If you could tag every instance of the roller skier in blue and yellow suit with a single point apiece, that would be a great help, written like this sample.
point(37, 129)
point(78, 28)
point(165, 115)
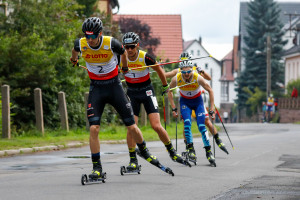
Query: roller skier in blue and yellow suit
point(101, 56)
point(191, 100)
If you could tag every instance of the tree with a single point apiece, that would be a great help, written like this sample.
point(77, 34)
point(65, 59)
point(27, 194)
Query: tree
point(143, 30)
point(263, 20)
point(35, 49)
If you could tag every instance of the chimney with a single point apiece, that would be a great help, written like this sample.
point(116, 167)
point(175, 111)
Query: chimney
point(200, 40)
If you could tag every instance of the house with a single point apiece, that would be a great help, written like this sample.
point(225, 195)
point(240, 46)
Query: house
point(286, 9)
point(170, 46)
point(210, 65)
point(108, 5)
point(292, 58)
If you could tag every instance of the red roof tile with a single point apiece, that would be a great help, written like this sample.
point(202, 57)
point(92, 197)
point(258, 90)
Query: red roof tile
point(166, 27)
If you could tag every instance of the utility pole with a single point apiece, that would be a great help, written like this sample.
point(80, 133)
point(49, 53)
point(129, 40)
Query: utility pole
point(268, 65)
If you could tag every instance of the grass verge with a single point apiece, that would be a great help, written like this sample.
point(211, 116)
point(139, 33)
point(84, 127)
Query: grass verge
point(111, 132)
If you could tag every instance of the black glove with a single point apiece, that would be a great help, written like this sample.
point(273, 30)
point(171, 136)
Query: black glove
point(124, 70)
point(74, 62)
point(211, 113)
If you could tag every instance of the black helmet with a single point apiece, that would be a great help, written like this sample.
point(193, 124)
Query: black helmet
point(130, 38)
point(93, 25)
point(185, 56)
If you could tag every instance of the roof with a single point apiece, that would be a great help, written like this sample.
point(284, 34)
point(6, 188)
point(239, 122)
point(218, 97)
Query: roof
point(227, 64)
point(167, 28)
point(291, 51)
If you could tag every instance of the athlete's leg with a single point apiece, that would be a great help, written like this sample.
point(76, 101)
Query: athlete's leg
point(154, 119)
point(95, 108)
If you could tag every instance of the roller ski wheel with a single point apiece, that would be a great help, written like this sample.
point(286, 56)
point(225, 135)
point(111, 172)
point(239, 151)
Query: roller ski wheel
point(188, 158)
point(126, 170)
point(152, 159)
point(85, 180)
point(169, 171)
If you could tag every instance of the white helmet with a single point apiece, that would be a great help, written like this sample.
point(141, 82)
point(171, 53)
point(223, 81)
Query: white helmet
point(185, 63)
point(185, 56)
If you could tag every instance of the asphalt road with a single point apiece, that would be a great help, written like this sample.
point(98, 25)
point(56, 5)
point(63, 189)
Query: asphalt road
point(265, 164)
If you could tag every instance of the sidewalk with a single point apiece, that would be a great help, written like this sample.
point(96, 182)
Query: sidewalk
point(22, 151)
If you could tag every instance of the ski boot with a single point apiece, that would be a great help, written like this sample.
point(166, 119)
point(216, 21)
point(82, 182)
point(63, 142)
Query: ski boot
point(96, 176)
point(143, 152)
point(177, 158)
point(190, 153)
point(210, 157)
point(220, 144)
point(133, 167)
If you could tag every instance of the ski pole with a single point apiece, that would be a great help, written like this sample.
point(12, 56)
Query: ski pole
point(213, 133)
point(182, 86)
point(165, 120)
point(166, 63)
point(224, 127)
point(176, 132)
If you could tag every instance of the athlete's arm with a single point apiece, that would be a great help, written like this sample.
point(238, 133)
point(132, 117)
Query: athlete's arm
point(149, 60)
point(171, 73)
point(75, 50)
point(206, 86)
point(203, 73)
point(118, 48)
point(170, 96)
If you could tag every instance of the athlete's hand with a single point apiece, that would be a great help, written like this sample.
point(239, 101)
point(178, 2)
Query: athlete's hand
point(165, 89)
point(124, 70)
point(174, 112)
point(199, 70)
point(212, 114)
point(74, 62)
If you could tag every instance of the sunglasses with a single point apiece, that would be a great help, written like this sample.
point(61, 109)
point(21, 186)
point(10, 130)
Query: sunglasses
point(132, 46)
point(91, 36)
point(186, 72)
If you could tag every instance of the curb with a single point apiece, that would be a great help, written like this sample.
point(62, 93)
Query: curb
point(22, 151)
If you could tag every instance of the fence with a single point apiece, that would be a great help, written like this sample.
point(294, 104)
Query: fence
point(62, 109)
point(289, 110)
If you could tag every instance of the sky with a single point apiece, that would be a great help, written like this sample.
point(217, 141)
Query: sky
point(215, 21)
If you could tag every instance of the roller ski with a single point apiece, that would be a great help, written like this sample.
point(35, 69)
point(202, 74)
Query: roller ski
point(133, 167)
point(220, 144)
point(95, 177)
point(153, 160)
point(210, 157)
point(190, 153)
point(177, 158)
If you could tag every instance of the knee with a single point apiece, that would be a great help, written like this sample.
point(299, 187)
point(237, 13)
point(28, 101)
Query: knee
point(94, 130)
point(132, 129)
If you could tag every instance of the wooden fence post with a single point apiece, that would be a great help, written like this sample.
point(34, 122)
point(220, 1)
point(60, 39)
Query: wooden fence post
point(5, 112)
point(62, 108)
point(86, 97)
point(143, 120)
point(38, 104)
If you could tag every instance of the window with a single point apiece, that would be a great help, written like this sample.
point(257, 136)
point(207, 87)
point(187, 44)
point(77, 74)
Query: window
point(192, 52)
point(225, 91)
point(198, 52)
